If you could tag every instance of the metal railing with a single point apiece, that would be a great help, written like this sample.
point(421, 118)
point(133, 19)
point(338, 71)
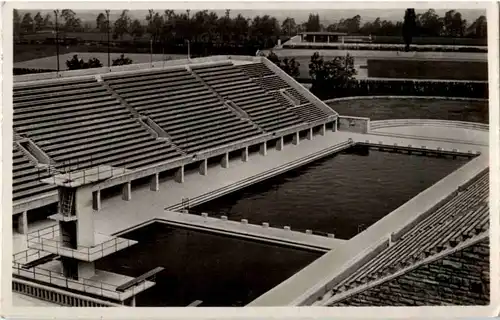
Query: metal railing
point(48, 240)
point(82, 285)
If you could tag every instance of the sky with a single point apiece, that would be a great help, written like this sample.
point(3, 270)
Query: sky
point(326, 16)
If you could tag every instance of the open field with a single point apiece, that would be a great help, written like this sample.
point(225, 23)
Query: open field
point(425, 69)
point(387, 108)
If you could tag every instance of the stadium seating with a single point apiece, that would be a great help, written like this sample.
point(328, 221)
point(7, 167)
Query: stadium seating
point(272, 83)
point(463, 217)
point(26, 177)
point(256, 70)
point(230, 83)
point(187, 110)
point(79, 124)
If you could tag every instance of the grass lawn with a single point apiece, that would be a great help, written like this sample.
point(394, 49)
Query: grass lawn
point(385, 108)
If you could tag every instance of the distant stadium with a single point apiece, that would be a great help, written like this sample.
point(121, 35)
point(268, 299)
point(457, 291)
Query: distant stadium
point(99, 154)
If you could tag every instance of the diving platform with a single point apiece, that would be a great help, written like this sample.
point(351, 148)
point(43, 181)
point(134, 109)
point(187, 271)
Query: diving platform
point(49, 240)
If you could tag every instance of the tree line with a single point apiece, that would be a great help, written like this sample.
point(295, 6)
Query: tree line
point(206, 26)
point(428, 24)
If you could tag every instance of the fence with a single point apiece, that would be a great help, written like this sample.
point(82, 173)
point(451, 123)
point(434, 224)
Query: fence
point(82, 285)
point(57, 296)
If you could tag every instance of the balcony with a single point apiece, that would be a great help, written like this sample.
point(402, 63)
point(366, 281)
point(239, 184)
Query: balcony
point(49, 240)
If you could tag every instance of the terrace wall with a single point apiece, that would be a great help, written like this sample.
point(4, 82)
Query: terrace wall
point(354, 124)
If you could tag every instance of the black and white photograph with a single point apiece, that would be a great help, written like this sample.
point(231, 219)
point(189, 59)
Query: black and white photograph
point(229, 156)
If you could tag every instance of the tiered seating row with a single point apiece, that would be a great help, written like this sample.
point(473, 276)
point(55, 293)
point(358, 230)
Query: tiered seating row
point(80, 124)
point(309, 112)
point(465, 216)
point(294, 93)
point(256, 70)
point(184, 107)
point(271, 83)
point(230, 83)
point(26, 177)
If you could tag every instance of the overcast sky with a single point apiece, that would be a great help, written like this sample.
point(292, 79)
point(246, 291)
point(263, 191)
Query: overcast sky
point(326, 16)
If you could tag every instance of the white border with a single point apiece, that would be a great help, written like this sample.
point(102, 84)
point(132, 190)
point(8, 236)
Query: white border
point(255, 313)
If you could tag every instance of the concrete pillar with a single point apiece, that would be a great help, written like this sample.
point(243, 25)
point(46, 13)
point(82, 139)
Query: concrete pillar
point(263, 148)
point(279, 144)
point(155, 182)
point(179, 175)
point(96, 200)
point(132, 302)
point(335, 124)
point(310, 134)
point(203, 167)
point(22, 223)
point(244, 154)
point(127, 191)
point(322, 130)
point(224, 162)
point(314, 39)
point(296, 138)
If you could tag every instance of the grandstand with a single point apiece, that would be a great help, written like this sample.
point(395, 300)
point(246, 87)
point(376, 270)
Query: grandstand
point(144, 120)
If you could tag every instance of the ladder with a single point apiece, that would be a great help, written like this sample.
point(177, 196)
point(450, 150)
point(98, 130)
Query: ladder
point(67, 203)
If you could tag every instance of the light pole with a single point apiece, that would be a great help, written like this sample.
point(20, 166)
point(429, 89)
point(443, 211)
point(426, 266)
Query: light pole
point(107, 16)
point(56, 12)
point(189, 49)
point(151, 52)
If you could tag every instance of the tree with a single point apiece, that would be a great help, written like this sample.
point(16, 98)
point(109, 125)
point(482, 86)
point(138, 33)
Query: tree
point(291, 67)
point(478, 28)
point(47, 21)
point(409, 27)
point(312, 24)
point(136, 29)
point(76, 64)
point(121, 26)
point(27, 23)
point(17, 23)
point(38, 20)
point(289, 27)
point(101, 22)
point(430, 24)
point(155, 24)
point(71, 22)
point(454, 25)
point(330, 75)
point(122, 61)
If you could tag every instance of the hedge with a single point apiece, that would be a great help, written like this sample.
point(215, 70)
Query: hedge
point(21, 71)
point(372, 87)
point(428, 69)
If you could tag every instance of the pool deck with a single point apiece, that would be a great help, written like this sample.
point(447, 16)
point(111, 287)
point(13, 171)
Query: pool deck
point(146, 206)
point(118, 216)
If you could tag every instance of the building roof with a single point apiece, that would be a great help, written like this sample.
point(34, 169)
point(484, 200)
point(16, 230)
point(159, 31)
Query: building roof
point(444, 233)
point(324, 33)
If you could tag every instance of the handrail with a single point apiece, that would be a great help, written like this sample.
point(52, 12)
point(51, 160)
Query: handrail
point(58, 279)
point(48, 238)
